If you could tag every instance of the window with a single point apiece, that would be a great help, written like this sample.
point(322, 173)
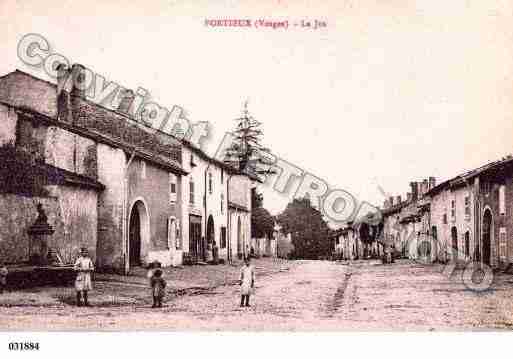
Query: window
point(502, 244)
point(172, 188)
point(210, 183)
point(444, 218)
point(193, 164)
point(222, 203)
point(453, 209)
point(222, 176)
point(191, 192)
point(486, 188)
point(467, 206)
point(502, 200)
point(223, 237)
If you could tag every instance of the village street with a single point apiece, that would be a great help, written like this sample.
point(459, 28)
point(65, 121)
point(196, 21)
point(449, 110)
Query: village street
point(300, 295)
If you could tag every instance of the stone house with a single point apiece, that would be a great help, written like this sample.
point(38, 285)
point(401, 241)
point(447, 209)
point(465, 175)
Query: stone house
point(472, 215)
point(239, 215)
point(206, 197)
point(128, 192)
point(406, 224)
point(346, 245)
point(126, 222)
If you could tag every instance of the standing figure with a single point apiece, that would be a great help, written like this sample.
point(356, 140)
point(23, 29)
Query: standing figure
point(247, 282)
point(83, 283)
point(158, 284)
point(3, 277)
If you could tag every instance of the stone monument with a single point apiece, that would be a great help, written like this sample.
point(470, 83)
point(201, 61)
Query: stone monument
point(39, 233)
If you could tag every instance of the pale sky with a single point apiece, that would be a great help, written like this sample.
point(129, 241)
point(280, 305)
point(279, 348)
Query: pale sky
point(389, 92)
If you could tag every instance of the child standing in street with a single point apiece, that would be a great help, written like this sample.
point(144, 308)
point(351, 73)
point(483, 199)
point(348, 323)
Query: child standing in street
point(158, 285)
point(83, 283)
point(247, 282)
point(3, 277)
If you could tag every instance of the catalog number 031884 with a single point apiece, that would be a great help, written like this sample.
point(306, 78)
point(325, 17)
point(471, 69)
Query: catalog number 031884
point(23, 346)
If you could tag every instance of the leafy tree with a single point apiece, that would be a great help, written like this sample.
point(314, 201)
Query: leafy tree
point(310, 233)
point(262, 222)
point(246, 152)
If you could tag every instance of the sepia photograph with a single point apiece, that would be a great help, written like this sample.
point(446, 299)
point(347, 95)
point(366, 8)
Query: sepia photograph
point(233, 167)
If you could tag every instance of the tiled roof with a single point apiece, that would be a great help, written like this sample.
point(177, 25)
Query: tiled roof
point(462, 178)
point(59, 176)
point(29, 93)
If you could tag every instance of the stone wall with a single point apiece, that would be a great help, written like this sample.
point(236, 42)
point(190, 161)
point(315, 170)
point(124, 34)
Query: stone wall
point(150, 185)
point(215, 207)
point(110, 207)
point(500, 222)
point(23, 90)
point(240, 191)
point(72, 215)
point(8, 123)
point(440, 205)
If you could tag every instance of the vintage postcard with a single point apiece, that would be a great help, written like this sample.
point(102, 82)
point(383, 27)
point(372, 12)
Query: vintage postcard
point(251, 166)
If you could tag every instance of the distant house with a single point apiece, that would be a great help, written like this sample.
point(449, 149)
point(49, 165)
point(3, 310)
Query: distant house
point(345, 243)
point(406, 226)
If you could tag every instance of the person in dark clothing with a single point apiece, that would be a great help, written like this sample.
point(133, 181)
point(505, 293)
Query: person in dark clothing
point(158, 285)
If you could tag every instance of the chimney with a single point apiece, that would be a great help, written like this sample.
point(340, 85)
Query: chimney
point(424, 186)
point(385, 204)
point(63, 73)
point(126, 99)
point(414, 190)
point(63, 89)
point(80, 82)
point(432, 182)
point(408, 197)
point(398, 199)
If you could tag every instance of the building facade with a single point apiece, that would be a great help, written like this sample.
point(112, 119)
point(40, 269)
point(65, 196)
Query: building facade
point(471, 215)
point(129, 193)
point(406, 223)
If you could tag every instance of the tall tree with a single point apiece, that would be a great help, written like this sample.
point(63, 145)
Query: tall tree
point(246, 153)
point(308, 228)
point(262, 222)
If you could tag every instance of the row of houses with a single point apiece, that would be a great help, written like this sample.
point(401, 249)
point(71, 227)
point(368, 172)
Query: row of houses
point(466, 218)
point(357, 240)
point(130, 194)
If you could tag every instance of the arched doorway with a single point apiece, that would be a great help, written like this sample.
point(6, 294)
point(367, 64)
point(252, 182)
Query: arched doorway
point(139, 232)
point(434, 239)
point(364, 238)
point(487, 236)
point(210, 233)
point(454, 243)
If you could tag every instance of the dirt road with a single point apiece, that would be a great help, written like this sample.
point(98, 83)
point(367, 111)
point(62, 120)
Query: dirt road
point(311, 295)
